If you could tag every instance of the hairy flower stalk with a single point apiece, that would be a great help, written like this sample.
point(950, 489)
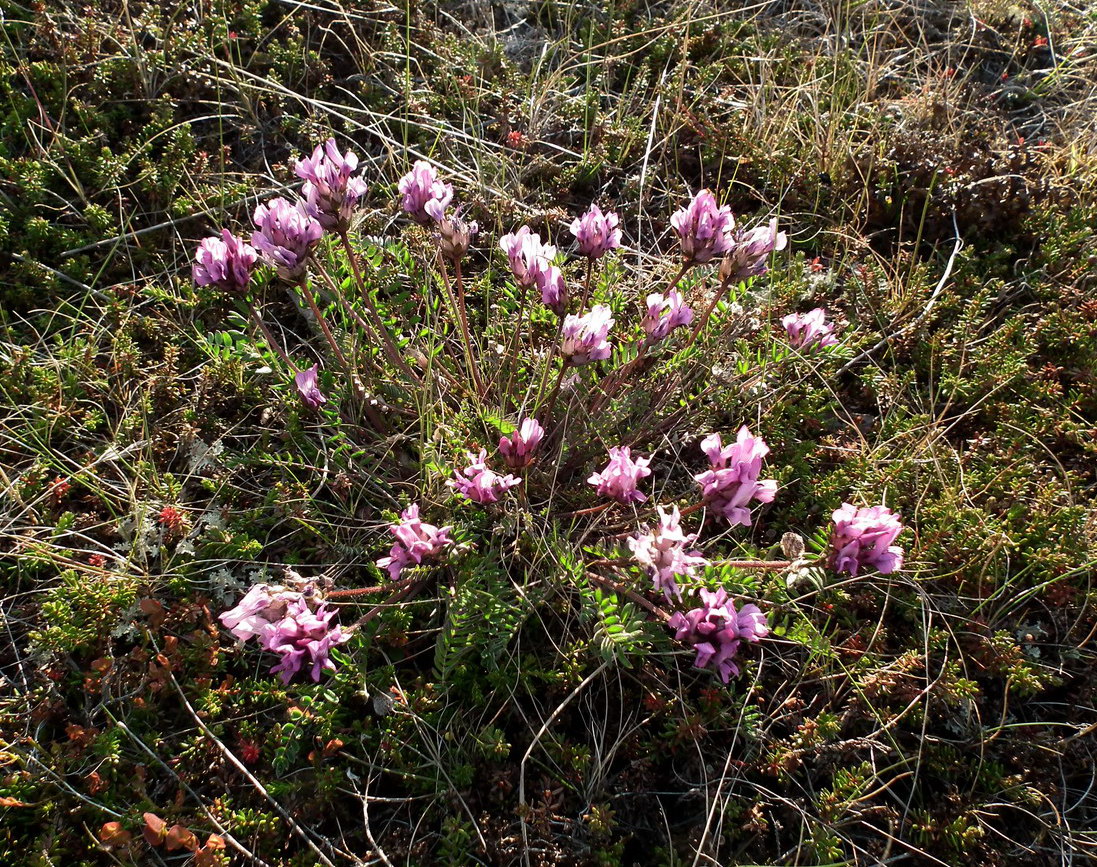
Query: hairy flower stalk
point(732, 480)
point(292, 623)
point(480, 483)
point(663, 552)
point(518, 449)
point(862, 540)
point(621, 475)
point(415, 542)
point(425, 197)
point(330, 193)
point(704, 228)
point(809, 332)
point(225, 262)
point(285, 235)
point(716, 629)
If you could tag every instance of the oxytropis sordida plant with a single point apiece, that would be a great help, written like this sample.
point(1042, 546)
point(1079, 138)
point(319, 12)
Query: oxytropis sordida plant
point(574, 351)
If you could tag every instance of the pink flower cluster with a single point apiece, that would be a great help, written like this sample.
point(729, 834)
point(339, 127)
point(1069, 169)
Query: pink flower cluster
point(596, 233)
point(862, 539)
point(621, 475)
point(415, 541)
point(665, 313)
point(809, 331)
point(225, 262)
point(330, 193)
point(664, 554)
point(716, 629)
point(732, 481)
point(425, 197)
point(704, 228)
point(291, 623)
point(531, 263)
point(285, 234)
point(517, 449)
point(480, 483)
point(750, 251)
point(586, 338)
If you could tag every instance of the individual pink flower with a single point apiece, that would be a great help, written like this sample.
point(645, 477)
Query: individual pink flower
point(308, 386)
point(330, 192)
point(517, 449)
point(480, 483)
point(663, 552)
point(285, 235)
point(415, 542)
point(716, 629)
point(809, 331)
point(621, 475)
point(665, 313)
point(596, 233)
point(732, 481)
point(225, 262)
point(704, 228)
point(585, 337)
point(425, 197)
point(749, 252)
point(862, 539)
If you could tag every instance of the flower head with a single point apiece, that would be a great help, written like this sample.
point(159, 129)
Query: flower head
point(531, 263)
point(292, 623)
point(596, 233)
point(862, 539)
point(663, 552)
point(732, 480)
point(425, 197)
point(415, 541)
point(716, 629)
point(480, 483)
point(621, 475)
point(749, 252)
point(225, 262)
point(455, 236)
point(330, 192)
point(665, 313)
point(704, 228)
point(809, 332)
point(517, 449)
point(285, 235)
point(308, 386)
point(585, 337)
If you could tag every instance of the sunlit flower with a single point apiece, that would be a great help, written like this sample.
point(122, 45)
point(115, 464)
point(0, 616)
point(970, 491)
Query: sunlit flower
point(665, 313)
point(862, 539)
point(704, 228)
point(425, 197)
point(308, 386)
point(531, 264)
point(749, 252)
point(285, 235)
point(225, 262)
point(596, 233)
point(809, 331)
point(455, 236)
point(716, 629)
point(621, 475)
point(585, 338)
point(415, 542)
point(479, 482)
point(517, 449)
point(663, 552)
point(330, 192)
point(732, 481)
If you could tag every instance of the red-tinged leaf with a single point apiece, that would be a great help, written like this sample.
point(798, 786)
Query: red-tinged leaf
point(215, 841)
point(179, 837)
point(12, 802)
point(113, 834)
point(155, 829)
point(205, 857)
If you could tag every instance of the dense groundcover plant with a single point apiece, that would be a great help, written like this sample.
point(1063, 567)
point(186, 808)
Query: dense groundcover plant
point(588, 343)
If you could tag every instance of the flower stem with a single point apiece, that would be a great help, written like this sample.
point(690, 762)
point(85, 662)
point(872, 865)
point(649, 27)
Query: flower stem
point(624, 590)
point(274, 344)
point(303, 283)
point(473, 369)
point(708, 312)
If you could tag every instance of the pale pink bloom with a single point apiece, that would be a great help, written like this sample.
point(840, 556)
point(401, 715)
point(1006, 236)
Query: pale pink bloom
point(425, 197)
point(749, 252)
point(663, 552)
point(531, 264)
point(285, 235)
point(809, 331)
point(665, 313)
point(716, 629)
point(621, 475)
point(585, 337)
point(704, 228)
point(517, 449)
point(732, 481)
point(596, 233)
point(479, 482)
point(308, 386)
point(415, 541)
point(225, 262)
point(862, 539)
point(329, 191)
